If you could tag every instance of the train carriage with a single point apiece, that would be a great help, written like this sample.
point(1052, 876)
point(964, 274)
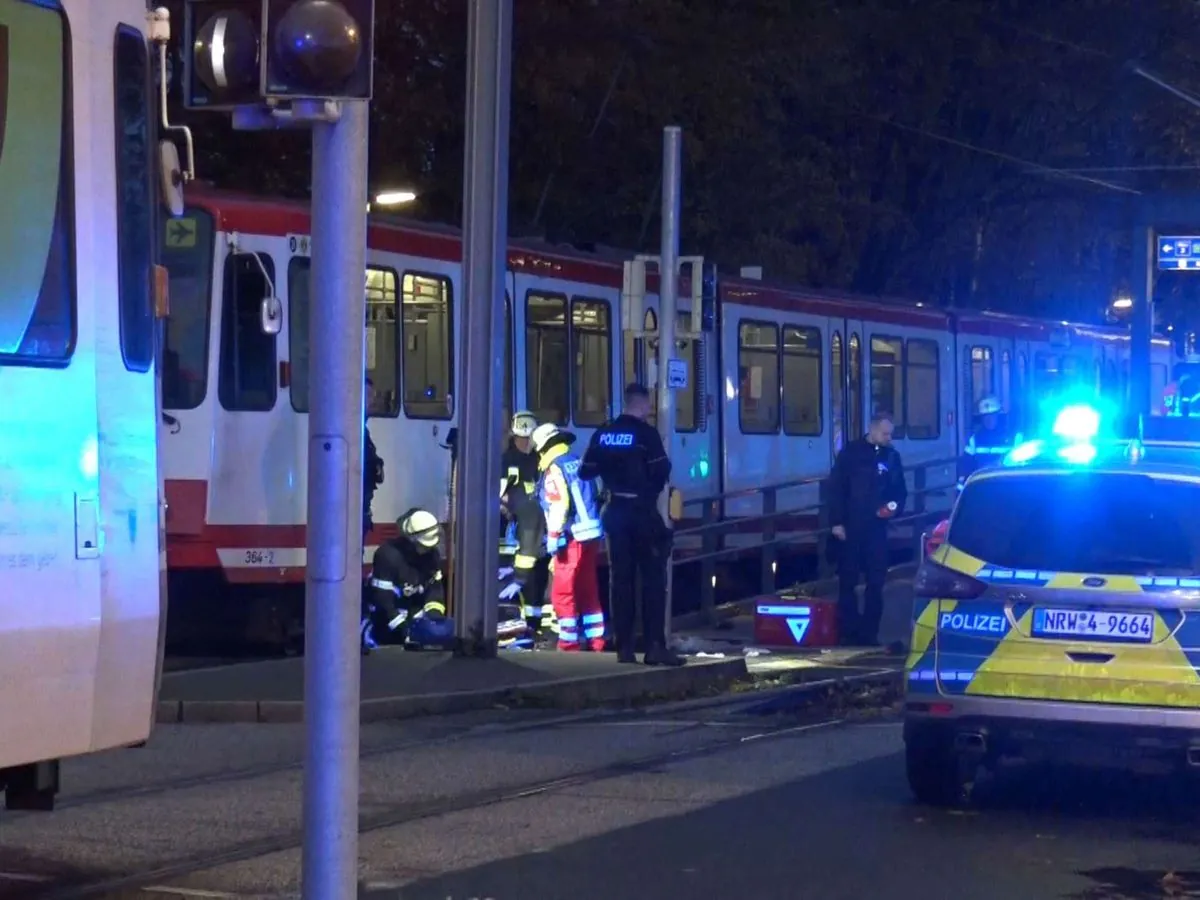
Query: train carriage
point(80, 532)
point(778, 378)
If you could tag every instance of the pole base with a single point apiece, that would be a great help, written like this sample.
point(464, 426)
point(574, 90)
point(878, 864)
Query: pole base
point(475, 648)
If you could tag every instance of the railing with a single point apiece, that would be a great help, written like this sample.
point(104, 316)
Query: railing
point(716, 525)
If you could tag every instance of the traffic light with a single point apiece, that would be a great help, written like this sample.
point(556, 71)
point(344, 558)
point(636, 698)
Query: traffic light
point(241, 53)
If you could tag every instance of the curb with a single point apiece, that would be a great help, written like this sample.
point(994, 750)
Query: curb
point(567, 694)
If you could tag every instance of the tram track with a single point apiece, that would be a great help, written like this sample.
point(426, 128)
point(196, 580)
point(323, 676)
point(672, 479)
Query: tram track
point(408, 813)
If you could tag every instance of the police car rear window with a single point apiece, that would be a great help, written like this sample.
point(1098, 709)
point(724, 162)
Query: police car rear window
point(1109, 523)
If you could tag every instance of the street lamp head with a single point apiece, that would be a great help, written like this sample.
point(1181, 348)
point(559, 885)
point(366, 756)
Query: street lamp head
point(394, 198)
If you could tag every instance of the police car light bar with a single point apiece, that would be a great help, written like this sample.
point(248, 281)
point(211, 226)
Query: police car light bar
point(1077, 423)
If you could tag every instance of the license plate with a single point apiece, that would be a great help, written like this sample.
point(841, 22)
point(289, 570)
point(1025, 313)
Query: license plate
point(1093, 625)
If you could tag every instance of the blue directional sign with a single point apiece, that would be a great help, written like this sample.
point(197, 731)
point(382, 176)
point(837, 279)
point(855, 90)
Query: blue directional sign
point(1179, 253)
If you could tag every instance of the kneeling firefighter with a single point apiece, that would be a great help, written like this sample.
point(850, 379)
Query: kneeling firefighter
point(524, 581)
point(405, 600)
point(573, 536)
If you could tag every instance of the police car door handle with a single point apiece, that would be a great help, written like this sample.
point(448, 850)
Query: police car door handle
point(1099, 658)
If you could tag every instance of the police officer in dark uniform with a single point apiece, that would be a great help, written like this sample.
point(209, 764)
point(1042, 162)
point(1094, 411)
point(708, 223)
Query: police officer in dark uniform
point(628, 455)
point(866, 490)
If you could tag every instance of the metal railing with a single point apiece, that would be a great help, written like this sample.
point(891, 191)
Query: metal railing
point(716, 525)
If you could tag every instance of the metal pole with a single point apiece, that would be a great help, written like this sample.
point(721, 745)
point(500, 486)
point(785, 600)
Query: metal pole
point(1141, 326)
point(485, 251)
point(668, 291)
point(332, 659)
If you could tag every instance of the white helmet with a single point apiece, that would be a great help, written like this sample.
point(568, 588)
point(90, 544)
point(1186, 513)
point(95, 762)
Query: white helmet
point(523, 424)
point(545, 434)
point(422, 526)
point(989, 406)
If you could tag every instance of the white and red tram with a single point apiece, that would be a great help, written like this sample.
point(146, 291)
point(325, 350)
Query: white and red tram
point(779, 375)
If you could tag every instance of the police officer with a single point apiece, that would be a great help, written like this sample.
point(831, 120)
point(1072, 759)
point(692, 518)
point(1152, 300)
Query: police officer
point(524, 526)
point(990, 441)
point(628, 455)
point(405, 598)
point(866, 490)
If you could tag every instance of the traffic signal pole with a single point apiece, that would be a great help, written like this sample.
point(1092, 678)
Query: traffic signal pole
point(332, 659)
point(668, 304)
point(485, 244)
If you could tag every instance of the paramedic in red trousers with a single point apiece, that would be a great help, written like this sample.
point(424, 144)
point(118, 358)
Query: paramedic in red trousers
point(866, 490)
point(628, 455)
point(573, 536)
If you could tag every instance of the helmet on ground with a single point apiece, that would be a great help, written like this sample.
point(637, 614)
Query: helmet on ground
point(421, 526)
point(989, 406)
point(523, 424)
point(547, 435)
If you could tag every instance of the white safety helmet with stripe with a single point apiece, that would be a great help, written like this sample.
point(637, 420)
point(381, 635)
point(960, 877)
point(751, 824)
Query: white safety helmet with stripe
point(989, 406)
point(422, 526)
point(545, 435)
point(524, 423)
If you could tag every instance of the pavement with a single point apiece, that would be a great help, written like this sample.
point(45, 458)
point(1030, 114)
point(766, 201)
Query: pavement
point(704, 799)
point(399, 684)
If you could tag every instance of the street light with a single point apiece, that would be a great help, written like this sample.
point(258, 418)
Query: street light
point(394, 198)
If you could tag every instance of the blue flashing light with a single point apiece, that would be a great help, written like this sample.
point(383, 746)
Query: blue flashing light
point(1023, 453)
point(1080, 454)
point(1078, 423)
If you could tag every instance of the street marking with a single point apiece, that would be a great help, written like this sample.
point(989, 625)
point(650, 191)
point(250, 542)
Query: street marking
point(189, 892)
point(796, 730)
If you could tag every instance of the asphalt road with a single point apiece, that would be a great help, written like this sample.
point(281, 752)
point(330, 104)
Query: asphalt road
point(674, 802)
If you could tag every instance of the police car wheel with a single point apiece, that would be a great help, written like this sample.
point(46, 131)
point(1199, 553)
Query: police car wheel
point(934, 773)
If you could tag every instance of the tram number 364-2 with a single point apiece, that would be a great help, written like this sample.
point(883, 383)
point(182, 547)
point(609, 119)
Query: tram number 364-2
point(260, 557)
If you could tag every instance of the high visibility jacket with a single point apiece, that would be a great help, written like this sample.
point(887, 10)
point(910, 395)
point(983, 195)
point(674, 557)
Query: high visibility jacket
point(569, 502)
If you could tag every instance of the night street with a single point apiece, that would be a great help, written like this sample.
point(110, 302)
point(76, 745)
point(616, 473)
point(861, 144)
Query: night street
point(703, 803)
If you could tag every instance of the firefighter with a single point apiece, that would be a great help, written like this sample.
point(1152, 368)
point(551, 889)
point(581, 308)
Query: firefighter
point(990, 441)
point(405, 600)
point(524, 528)
point(628, 455)
point(573, 535)
point(866, 490)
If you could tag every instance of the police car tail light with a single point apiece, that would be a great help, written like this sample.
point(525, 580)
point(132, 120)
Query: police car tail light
point(937, 582)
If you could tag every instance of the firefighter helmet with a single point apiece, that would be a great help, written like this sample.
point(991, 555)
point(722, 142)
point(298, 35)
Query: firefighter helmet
point(523, 424)
point(422, 526)
point(989, 406)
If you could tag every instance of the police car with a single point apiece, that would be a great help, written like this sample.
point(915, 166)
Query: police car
point(1059, 619)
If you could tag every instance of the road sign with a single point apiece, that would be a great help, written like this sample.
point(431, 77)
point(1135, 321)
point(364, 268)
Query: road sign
point(677, 374)
point(1181, 252)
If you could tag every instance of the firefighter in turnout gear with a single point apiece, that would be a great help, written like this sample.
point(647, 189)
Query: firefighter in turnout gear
point(991, 440)
point(404, 601)
point(573, 536)
point(628, 455)
point(524, 538)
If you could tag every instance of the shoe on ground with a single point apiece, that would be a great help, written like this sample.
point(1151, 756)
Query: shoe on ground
point(661, 656)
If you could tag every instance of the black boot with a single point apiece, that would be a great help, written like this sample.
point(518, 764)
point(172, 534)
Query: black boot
point(661, 656)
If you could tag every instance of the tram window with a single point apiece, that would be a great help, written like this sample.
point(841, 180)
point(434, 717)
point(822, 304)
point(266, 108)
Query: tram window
point(887, 379)
point(983, 375)
point(1006, 380)
point(247, 380)
point(1046, 372)
point(923, 412)
point(383, 341)
point(758, 377)
point(591, 346)
point(427, 329)
point(135, 209)
point(801, 381)
point(186, 250)
point(837, 376)
point(689, 409)
point(507, 399)
point(547, 374)
point(37, 276)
